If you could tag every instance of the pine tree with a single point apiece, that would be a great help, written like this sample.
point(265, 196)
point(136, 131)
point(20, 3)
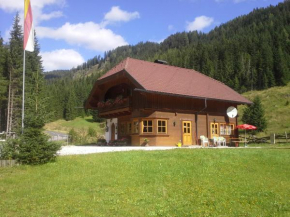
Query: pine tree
point(36, 101)
point(3, 86)
point(70, 106)
point(255, 115)
point(3, 80)
point(281, 69)
point(15, 77)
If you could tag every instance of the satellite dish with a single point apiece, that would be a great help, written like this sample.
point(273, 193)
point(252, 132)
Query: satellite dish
point(232, 112)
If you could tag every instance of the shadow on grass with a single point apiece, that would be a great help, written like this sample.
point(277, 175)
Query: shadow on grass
point(90, 120)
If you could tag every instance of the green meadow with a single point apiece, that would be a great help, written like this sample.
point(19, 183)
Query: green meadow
point(276, 103)
point(180, 182)
point(79, 124)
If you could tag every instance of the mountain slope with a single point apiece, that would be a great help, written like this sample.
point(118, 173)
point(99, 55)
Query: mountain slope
point(276, 103)
point(249, 52)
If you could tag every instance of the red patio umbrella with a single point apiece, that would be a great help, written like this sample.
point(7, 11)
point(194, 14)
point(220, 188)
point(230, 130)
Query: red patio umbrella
point(246, 127)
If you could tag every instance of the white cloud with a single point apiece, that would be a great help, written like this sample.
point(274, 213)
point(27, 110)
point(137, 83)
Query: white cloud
point(118, 15)
point(12, 6)
point(199, 23)
point(61, 59)
point(54, 14)
point(90, 35)
point(17, 5)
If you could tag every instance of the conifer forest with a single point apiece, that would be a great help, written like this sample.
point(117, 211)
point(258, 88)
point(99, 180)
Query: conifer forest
point(251, 52)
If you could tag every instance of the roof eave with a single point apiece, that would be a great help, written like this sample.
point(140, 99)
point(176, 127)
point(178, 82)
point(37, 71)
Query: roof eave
point(194, 97)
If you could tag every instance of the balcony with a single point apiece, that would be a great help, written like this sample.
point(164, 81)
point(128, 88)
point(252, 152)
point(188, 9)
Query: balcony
point(115, 107)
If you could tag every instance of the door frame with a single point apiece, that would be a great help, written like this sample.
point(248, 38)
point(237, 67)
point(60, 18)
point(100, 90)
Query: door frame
point(182, 131)
point(217, 127)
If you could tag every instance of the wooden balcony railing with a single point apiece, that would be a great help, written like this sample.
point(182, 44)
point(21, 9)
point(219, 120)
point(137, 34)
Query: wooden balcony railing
point(116, 104)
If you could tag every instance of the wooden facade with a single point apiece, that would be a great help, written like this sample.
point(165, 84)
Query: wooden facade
point(162, 118)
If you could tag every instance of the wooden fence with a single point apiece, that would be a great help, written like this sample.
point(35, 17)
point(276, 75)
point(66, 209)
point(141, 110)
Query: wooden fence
point(8, 163)
point(279, 138)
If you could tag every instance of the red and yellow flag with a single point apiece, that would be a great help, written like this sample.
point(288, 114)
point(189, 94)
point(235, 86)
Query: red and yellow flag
point(28, 27)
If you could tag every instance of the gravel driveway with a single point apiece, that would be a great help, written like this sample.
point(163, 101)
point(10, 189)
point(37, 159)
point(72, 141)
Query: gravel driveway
point(74, 150)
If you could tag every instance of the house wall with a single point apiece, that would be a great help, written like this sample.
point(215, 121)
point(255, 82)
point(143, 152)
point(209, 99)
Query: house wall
point(222, 119)
point(175, 110)
point(174, 126)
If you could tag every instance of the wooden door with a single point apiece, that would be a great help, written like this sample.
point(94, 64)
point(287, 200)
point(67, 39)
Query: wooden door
point(214, 130)
point(186, 132)
point(113, 132)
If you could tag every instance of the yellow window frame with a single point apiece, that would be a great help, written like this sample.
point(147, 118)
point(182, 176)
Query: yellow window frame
point(161, 126)
point(135, 127)
point(147, 125)
point(226, 130)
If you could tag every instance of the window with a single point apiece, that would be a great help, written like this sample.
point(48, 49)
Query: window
point(214, 129)
point(129, 127)
point(227, 129)
point(147, 126)
point(135, 127)
point(223, 129)
point(162, 126)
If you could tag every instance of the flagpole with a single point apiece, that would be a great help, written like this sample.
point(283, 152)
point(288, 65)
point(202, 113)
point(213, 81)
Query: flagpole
point(23, 77)
point(23, 92)
point(28, 45)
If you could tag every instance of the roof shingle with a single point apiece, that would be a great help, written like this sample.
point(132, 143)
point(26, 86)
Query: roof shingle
point(174, 80)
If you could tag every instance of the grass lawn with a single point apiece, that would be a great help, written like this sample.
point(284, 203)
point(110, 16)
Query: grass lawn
point(180, 182)
point(79, 124)
point(276, 102)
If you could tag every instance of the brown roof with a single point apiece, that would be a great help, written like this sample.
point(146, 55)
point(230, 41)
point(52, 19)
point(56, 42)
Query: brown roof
point(174, 80)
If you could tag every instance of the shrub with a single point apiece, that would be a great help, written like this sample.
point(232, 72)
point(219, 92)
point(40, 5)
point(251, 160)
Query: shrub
point(34, 147)
point(254, 114)
point(96, 118)
point(8, 149)
point(92, 132)
point(73, 136)
point(101, 142)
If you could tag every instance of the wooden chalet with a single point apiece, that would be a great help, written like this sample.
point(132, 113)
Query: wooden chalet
point(162, 103)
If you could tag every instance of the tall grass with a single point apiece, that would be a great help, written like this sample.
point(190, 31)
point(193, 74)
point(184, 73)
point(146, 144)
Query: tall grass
point(275, 101)
point(232, 182)
point(78, 124)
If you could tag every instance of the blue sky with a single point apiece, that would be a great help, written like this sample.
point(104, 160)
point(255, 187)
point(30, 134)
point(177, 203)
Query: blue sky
point(71, 31)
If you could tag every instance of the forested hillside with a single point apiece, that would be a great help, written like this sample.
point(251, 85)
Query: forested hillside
point(251, 52)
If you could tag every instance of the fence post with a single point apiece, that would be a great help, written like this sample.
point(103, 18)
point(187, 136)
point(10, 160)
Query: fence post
point(286, 137)
point(272, 138)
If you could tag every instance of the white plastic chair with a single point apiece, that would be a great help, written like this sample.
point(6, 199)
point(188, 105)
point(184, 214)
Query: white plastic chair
point(216, 141)
point(222, 141)
point(204, 140)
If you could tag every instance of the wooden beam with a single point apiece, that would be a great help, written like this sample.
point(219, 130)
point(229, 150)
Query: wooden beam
point(115, 111)
point(207, 125)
